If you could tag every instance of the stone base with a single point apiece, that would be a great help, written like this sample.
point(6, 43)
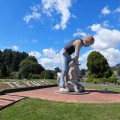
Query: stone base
point(74, 93)
point(75, 86)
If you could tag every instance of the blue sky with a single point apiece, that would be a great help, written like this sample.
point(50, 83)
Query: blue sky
point(42, 27)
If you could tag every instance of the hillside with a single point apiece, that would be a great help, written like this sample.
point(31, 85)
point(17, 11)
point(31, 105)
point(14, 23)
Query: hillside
point(116, 67)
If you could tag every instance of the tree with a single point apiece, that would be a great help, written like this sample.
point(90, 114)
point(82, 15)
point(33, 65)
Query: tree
point(98, 66)
point(47, 74)
point(4, 71)
point(16, 59)
point(57, 69)
point(12, 59)
point(32, 59)
point(7, 57)
point(82, 71)
point(29, 65)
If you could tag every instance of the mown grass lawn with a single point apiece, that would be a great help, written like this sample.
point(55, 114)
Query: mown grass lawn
point(109, 88)
point(37, 109)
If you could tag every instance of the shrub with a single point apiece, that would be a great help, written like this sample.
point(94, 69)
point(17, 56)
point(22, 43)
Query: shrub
point(89, 79)
point(104, 80)
point(35, 76)
point(97, 80)
point(118, 82)
point(112, 79)
point(14, 75)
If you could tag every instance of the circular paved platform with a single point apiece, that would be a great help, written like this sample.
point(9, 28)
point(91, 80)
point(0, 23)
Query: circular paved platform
point(51, 94)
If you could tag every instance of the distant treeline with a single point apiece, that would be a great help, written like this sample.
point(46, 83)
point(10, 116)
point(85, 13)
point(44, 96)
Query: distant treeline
point(19, 65)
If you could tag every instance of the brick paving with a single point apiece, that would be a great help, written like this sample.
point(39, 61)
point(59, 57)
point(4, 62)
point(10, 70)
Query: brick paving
point(7, 100)
point(52, 94)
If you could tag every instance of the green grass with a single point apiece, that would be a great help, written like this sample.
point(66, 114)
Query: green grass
point(4, 86)
point(37, 109)
point(54, 81)
point(109, 88)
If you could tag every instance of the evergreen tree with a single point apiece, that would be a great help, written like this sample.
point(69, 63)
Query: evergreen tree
point(4, 71)
point(98, 66)
point(7, 57)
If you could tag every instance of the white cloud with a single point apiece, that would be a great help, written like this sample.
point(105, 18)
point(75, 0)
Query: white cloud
point(117, 14)
point(50, 63)
point(31, 26)
point(34, 41)
point(35, 15)
point(79, 33)
point(51, 59)
point(83, 59)
point(35, 7)
point(95, 27)
point(118, 10)
point(49, 52)
point(105, 38)
point(106, 24)
point(74, 16)
point(59, 6)
point(35, 53)
point(112, 55)
point(50, 8)
point(15, 48)
point(105, 11)
point(47, 63)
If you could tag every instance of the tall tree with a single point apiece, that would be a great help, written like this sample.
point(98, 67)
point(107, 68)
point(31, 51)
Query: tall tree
point(4, 71)
point(98, 66)
point(30, 65)
point(7, 57)
point(17, 58)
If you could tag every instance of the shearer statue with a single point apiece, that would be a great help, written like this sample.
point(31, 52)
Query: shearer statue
point(65, 55)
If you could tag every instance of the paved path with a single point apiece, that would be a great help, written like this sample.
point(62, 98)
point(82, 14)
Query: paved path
point(51, 94)
point(7, 100)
